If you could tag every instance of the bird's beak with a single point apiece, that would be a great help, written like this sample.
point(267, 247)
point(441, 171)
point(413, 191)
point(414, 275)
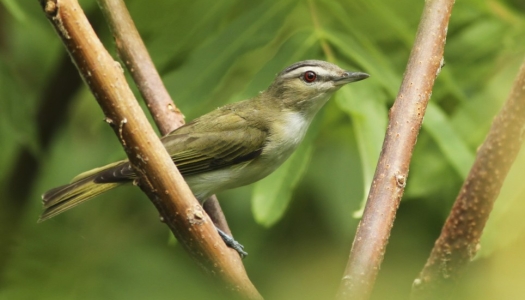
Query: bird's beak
point(348, 77)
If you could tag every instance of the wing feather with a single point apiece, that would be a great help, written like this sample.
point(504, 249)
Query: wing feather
point(214, 141)
point(202, 146)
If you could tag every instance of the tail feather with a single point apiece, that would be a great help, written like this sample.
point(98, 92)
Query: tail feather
point(84, 187)
point(97, 171)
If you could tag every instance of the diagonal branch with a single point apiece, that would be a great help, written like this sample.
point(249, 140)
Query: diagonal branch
point(391, 174)
point(458, 242)
point(158, 176)
point(137, 60)
point(135, 56)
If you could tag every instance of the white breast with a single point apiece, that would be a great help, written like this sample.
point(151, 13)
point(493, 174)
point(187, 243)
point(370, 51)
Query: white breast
point(284, 139)
point(295, 126)
point(286, 136)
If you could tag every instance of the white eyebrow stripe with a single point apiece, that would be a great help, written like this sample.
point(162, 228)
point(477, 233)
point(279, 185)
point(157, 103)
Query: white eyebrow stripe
point(299, 71)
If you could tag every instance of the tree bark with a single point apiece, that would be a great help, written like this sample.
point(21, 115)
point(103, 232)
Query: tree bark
point(133, 53)
point(390, 178)
point(158, 176)
point(459, 239)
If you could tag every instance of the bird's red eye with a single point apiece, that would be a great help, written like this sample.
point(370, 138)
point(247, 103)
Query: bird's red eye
point(309, 76)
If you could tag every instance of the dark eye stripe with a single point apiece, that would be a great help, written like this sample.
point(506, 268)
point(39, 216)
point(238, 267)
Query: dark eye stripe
point(297, 66)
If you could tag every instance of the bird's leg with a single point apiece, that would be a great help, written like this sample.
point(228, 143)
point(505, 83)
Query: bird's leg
point(230, 242)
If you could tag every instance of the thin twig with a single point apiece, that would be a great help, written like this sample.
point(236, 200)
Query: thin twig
point(135, 56)
point(158, 176)
point(137, 60)
point(391, 174)
point(459, 239)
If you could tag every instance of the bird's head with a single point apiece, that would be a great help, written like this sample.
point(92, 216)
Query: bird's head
point(307, 85)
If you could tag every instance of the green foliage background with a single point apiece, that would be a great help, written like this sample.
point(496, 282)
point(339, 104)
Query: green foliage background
point(299, 226)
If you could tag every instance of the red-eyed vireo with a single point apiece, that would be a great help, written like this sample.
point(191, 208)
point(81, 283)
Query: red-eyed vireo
point(232, 146)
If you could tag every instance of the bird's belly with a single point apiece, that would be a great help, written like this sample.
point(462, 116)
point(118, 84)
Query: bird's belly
point(282, 144)
point(206, 184)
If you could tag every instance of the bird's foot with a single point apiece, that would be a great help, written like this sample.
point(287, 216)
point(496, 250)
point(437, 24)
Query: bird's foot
point(230, 242)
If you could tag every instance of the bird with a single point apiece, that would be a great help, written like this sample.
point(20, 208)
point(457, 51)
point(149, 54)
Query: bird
point(232, 146)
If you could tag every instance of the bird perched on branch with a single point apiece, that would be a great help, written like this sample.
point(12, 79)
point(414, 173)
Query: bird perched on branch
point(232, 146)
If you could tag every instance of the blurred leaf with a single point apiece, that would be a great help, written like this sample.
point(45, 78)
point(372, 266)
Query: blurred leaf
point(171, 37)
point(13, 113)
point(369, 119)
point(472, 118)
point(299, 45)
point(366, 56)
point(334, 180)
point(271, 196)
point(8, 134)
point(15, 10)
point(431, 176)
point(257, 68)
point(478, 37)
point(396, 22)
point(456, 151)
point(206, 66)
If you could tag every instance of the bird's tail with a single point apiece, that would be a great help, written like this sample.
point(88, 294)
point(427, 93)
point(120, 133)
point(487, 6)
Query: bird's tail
point(84, 187)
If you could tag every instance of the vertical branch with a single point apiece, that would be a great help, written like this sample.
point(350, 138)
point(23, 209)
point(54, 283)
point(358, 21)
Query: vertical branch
point(391, 174)
point(458, 242)
point(137, 60)
point(158, 176)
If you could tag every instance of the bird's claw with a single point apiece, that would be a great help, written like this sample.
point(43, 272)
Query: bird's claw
point(232, 243)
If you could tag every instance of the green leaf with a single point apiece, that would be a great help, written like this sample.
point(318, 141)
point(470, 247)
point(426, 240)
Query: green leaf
point(204, 70)
point(450, 143)
point(369, 119)
point(298, 46)
point(272, 195)
point(368, 57)
point(431, 176)
point(15, 10)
